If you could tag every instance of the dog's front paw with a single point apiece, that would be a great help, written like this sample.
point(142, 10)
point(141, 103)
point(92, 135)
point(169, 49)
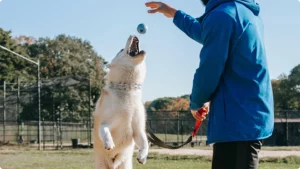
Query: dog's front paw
point(142, 156)
point(109, 145)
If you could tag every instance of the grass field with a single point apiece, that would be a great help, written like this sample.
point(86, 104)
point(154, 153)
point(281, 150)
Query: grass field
point(202, 139)
point(83, 159)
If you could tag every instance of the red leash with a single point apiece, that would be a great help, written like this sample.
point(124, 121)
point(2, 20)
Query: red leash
point(156, 141)
point(198, 122)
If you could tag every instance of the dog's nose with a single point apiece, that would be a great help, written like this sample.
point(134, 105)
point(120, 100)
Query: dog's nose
point(132, 53)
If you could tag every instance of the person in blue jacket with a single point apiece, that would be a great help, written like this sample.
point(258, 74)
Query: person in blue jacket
point(232, 75)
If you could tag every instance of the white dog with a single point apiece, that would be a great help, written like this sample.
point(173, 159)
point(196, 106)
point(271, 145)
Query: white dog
point(120, 117)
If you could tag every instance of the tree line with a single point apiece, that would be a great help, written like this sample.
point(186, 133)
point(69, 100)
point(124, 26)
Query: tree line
point(63, 60)
point(66, 59)
point(286, 92)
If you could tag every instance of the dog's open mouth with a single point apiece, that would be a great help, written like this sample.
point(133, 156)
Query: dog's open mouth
point(134, 47)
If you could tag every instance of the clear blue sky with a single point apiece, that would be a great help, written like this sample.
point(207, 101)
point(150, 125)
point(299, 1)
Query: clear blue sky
point(172, 57)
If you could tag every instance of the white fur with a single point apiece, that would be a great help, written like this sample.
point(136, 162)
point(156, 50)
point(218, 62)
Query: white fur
point(120, 115)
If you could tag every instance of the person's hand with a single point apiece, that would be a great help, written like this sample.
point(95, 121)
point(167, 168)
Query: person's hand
point(160, 7)
point(202, 116)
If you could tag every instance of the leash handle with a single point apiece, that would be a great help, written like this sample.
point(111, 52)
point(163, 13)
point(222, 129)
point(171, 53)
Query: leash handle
point(198, 122)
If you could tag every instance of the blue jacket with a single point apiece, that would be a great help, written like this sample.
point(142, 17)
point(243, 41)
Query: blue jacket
point(233, 72)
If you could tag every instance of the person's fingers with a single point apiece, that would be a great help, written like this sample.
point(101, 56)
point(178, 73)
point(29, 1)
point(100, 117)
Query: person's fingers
point(200, 118)
point(154, 7)
point(153, 4)
point(197, 116)
point(154, 10)
point(206, 108)
point(204, 111)
point(194, 114)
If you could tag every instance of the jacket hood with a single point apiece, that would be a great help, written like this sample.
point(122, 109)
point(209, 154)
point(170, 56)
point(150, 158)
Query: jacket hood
point(250, 4)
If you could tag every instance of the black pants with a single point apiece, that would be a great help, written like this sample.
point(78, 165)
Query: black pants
point(236, 155)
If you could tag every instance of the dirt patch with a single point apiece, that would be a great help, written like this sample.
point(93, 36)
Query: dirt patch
point(199, 152)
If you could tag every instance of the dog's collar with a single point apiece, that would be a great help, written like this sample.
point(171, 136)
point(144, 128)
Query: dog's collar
point(124, 86)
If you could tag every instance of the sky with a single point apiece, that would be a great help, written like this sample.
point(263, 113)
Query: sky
point(172, 57)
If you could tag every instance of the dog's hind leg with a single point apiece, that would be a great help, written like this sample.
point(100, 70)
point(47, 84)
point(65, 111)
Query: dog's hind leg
point(106, 138)
point(124, 159)
point(140, 138)
point(100, 161)
point(126, 164)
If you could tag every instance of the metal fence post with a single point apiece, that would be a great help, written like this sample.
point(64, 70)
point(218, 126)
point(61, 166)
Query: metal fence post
point(39, 104)
point(58, 133)
point(90, 117)
point(18, 111)
point(287, 129)
point(4, 110)
point(165, 130)
point(178, 127)
point(53, 118)
point(60, 130)
point(44, 143)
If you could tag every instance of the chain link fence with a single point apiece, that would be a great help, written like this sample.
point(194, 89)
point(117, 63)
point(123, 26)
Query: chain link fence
point(65, 113)
point(66, 108)
point(175, 127)
point(286, 129)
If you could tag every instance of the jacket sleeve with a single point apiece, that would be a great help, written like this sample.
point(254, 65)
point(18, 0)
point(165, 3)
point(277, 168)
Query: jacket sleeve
point(217, 30)
point(189, 25)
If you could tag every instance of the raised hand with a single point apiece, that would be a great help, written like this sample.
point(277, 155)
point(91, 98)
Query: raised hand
point(160, 7)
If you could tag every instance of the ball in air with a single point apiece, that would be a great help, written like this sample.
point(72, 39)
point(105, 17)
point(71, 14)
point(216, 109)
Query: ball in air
point(142, 28)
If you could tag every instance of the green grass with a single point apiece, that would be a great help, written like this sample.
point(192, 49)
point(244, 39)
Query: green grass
point(203, 146)
point(82, 134)
point(83, 159)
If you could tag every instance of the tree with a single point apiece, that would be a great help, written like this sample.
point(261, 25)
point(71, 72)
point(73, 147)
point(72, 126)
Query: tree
point(24, 40)
point(186, 97)
point(161, 104)
point(286, 90)
point(181, 104)
point(294, 81)
point(66, 56)
point(169, 104)
point(12, 66)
